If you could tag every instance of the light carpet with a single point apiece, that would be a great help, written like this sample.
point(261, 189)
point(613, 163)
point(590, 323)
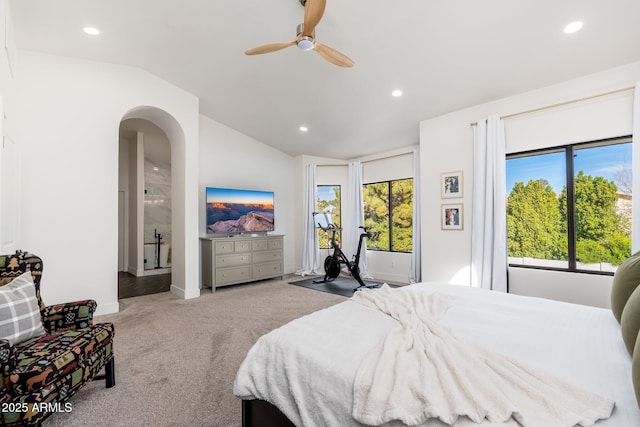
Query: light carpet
point(176, 359)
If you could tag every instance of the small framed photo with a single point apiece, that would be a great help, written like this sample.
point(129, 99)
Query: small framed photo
point(451, 184)
point(451, 217)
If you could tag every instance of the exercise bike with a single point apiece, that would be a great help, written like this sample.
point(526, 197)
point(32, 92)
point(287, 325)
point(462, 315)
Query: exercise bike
point(333, 263)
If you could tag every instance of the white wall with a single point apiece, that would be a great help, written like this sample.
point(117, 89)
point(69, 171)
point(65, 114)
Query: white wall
point(134, 215)
point(7, 90)
point(67, 117)
point(10, 150)
point(446, 144)
point(123, 204)
point(230, 159)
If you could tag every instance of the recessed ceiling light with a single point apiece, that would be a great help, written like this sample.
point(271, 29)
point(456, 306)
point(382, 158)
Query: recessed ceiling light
point(396, 93)
point(573, 27)
point(92, 31)
point(303, 128)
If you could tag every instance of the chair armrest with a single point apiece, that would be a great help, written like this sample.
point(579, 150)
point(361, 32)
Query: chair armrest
point(67, 316)
point(7, 362)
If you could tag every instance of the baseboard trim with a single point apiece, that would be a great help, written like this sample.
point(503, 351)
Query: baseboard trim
point(156, 271)
point(181, 293)
point(135, 271)
point(107, 309)
point(395, 278)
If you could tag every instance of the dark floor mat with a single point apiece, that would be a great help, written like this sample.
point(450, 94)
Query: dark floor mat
point(344, 286)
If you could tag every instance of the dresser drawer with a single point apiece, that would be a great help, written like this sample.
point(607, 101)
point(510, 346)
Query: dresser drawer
point(259, 245)
point(224, 247)
point(242, 246)
point(275, 243)
point(232, 275)
point(232, 260)
point(266, 256)
point(269, 269)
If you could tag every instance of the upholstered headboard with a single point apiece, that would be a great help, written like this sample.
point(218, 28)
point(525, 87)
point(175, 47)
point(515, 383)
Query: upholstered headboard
point(635, 370)
point(625, 305)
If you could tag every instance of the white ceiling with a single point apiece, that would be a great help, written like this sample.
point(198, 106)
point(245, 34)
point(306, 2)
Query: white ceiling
point(444, 54)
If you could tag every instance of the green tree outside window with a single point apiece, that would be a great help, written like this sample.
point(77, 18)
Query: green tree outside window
point(388, 211)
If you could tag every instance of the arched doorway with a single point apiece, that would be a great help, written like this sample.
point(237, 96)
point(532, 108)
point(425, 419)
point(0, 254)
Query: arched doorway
point(147, 226)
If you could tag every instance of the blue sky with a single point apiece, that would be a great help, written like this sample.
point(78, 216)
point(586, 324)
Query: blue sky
point(603, 161)
point(326, 192)
point(227, 195)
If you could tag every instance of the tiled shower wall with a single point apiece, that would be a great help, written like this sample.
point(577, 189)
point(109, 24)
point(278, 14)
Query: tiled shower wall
point(157, 212)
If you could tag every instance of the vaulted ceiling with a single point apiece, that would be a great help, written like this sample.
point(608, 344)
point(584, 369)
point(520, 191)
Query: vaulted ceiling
point(444, 56)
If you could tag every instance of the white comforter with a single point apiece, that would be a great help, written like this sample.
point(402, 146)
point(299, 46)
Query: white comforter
point(307, 368)
point(421, 370)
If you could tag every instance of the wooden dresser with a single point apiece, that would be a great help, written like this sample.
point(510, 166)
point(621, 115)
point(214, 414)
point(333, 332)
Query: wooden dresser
point(239, 259)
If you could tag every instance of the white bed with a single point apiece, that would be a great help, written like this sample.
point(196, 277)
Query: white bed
point(307, 367)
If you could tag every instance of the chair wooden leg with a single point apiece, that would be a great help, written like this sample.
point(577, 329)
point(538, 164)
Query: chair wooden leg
point(110, 373)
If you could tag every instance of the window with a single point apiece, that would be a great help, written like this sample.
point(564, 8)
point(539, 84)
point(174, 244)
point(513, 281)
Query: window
point(388, 210)
point(569, 207)
point(329, 202)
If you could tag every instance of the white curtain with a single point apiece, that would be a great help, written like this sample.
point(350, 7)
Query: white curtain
point(635, 172)
point(489, 222)
point(415, 275)
point(310, 246)
point(355, 213)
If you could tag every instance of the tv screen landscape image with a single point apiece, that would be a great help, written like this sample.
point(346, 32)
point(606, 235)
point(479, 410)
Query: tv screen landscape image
point(239, 211)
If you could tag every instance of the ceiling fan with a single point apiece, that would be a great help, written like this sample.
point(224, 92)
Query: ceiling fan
point(305, 38)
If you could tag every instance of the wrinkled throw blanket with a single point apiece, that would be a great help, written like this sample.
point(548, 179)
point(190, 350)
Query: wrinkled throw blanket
point(421, 370)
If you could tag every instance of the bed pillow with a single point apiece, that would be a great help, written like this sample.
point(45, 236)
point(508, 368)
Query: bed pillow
point(19, 310)
point(630, 320)
point(625, 280)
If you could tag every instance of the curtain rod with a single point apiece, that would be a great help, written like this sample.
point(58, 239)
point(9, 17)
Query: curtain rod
point(560, 104)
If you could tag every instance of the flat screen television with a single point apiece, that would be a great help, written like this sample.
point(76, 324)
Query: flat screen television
point(233, 211)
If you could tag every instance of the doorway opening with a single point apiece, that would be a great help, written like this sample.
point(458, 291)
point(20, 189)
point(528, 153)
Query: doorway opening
point(144, 209)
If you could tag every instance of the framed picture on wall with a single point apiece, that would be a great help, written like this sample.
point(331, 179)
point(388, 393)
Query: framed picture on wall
point(451, 184)
point(451, 217)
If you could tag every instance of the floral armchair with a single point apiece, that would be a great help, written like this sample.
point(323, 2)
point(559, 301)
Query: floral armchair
point(40, 374)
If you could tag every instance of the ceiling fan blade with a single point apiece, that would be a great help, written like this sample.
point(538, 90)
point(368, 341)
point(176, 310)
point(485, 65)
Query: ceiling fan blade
point(269, 47)
point(333, 55)
point(313, 11)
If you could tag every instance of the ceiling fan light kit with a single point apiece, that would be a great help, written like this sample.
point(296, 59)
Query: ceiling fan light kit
point(306, 43)
point(305, 37)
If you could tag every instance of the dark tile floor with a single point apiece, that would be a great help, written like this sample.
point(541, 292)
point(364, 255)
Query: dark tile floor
point(132, 286)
